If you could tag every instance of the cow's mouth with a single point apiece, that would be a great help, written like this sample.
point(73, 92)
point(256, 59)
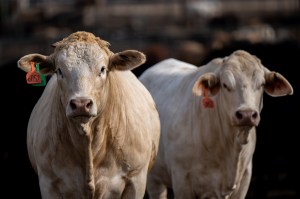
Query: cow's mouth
point(82, 117)
point(245, 127)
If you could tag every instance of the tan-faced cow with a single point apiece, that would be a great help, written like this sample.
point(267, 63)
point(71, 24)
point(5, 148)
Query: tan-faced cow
point(208, 118)
point(94, 132)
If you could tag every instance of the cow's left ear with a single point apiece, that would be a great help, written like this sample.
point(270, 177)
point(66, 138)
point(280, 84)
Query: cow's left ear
point(126, 60)
point(207, 81)
point(276, 85)
point(45, 64)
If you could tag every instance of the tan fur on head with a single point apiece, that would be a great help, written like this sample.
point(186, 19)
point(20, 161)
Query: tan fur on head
point(84, 37)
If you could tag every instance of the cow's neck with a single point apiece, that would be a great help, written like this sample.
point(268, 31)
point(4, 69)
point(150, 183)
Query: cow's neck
point(78, 141)
point(91, 145)
point(228, 149)
point(88, 140)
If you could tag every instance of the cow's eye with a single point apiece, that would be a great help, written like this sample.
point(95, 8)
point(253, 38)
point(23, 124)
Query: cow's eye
point(226, 87)
point(59, 73)
point(102, 71)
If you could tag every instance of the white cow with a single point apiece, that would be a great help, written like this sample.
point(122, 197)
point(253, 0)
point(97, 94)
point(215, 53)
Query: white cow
point(95, 130)
point(209, 116)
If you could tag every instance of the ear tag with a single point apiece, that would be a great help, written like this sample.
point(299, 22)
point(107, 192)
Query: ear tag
point(206, 101)
point(43, 78)
point(34, 77)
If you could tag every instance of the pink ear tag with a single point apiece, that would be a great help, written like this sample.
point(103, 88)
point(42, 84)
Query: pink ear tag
point(206, 101)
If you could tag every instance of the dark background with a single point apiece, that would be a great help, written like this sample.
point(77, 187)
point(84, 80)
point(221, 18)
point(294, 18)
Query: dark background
point(192, 31)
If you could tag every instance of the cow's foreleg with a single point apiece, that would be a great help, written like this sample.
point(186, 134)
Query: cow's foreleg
point(242, 190)
point(156, 188)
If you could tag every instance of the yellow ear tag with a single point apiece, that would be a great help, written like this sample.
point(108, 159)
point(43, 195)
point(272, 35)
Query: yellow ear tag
point(34, 77)
point(206, 101)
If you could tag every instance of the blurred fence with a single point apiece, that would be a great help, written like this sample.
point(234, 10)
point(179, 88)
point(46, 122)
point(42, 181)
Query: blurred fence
point(30, 25)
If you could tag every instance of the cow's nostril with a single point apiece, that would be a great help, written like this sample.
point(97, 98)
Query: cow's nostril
point(248, 117)
point(81, 104)
point(254, 116)
point(73, 104)
point(246, 114)
point(89, 104)
point(239, 115)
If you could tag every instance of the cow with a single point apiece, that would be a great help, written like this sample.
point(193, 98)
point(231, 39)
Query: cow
point(94, 132)
point(209, 116)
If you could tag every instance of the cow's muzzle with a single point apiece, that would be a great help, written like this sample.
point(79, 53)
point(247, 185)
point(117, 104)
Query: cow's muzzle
point(82, 107)
point(246, 117)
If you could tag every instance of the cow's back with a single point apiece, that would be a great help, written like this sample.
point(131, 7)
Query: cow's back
point(172, 93)
point(171, 74)
point(164, 80)
point(170, 83)
point(168, 73)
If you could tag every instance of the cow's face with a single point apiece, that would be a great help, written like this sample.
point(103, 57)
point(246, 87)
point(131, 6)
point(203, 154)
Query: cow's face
point(82, 69)
point(240, 82)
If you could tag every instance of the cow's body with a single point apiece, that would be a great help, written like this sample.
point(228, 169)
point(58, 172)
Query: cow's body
point(206, 153)
point(94, 132)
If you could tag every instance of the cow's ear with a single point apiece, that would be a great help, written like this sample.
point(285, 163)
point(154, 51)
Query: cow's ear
point(126, 60)
point(45, 64)
point(207, 81)
point(276, 85)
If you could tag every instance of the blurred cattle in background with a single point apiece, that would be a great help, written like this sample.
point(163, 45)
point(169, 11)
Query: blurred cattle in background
point(154, 53)
point(192, 52)
point(255, 33)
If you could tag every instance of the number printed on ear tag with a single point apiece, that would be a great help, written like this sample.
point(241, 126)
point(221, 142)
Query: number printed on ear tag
point(206, 101)
point(34, 77)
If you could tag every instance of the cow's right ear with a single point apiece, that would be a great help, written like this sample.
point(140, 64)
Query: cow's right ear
point(127, 60)
point(207, 81)
point(277, 85)
point(45, 64)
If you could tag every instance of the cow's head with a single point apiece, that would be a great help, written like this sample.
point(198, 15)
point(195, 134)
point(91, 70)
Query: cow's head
point(82, 64)
point(238, 84)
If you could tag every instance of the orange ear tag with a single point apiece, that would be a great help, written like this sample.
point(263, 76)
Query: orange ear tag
point(206, 101)
point(43, 78)
point(34, 77)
